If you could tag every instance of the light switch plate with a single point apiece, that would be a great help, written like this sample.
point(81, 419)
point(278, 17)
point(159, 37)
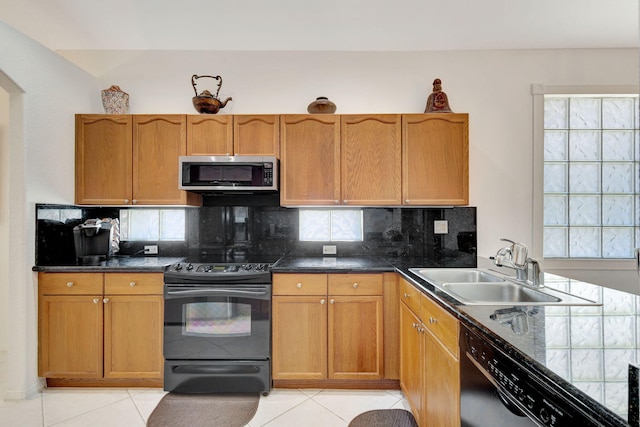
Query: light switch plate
point(329, 250)
point(441, 226)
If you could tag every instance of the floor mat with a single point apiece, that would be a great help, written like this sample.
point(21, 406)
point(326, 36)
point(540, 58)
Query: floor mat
point(384, 418)
point(200, 410)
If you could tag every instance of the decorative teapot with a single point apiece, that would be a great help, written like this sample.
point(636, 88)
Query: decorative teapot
point(206, 102)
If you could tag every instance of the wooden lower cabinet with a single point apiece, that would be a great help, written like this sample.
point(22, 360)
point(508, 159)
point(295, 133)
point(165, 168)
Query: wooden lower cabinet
point(101, 329)
point(328, 330)
point(70, 336)
point(429, 360)
point(411, 358)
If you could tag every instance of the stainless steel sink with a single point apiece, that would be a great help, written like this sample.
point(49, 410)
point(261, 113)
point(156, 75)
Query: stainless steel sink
point(497, 293)
point(472, 286)
point(455, 275)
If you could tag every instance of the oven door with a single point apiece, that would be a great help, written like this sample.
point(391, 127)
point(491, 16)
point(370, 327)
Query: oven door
point(224, 322)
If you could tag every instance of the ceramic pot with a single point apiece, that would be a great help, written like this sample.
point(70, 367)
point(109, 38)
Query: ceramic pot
point(321, 105)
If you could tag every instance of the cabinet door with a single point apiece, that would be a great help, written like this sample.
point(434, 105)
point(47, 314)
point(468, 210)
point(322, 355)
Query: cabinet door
point(310, 160)
point(158, 141)
point(355, 337)
point(256, 135)
point(299, 342)
point(435, 159)
point(209, 135)
point(441, 405)
point(103, 159)
point(411, 376)
point(133, 336)
point(371, 158)
point(70, 336)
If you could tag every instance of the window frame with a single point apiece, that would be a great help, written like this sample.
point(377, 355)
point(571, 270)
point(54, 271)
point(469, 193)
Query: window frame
point(538, 92)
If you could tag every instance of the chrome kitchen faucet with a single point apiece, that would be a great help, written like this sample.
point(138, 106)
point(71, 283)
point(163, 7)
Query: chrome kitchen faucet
point(516, 256)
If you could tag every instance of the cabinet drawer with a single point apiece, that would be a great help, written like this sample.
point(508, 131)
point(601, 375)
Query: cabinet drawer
point(442, 324)
point(133, 283)
point(299, 284)
point(70, 283)
point(355, 284)
point(410, 295)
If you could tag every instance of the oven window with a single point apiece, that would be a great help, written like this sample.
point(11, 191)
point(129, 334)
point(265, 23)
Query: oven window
point(216, 319)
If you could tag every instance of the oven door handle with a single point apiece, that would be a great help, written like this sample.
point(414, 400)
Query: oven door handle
point(230, 292)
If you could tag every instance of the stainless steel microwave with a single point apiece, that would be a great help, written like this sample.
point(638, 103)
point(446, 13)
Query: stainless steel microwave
point(228, 174)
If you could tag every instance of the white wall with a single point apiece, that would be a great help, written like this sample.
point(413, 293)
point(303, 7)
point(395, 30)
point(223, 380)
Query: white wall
point(4, 223)
point(44, 91)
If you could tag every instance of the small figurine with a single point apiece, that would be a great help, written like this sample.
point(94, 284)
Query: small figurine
point(437, 101)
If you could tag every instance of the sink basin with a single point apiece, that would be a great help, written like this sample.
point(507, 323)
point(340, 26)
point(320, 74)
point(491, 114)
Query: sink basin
point(497, 293)
point(472, 286)
point(455, 275)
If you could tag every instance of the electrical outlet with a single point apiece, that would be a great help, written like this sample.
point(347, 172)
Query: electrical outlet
point(329, 250)
point(441, 226)
point(151, 250)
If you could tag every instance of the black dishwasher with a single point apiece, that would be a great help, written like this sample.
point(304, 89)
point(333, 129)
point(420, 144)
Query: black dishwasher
point(496, 390)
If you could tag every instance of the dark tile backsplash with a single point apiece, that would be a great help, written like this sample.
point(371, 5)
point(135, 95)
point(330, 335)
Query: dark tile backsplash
point(226, 232)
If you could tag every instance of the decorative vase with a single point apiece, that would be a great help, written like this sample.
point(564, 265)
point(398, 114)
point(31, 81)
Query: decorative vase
point(115, 101)
point(322, 105)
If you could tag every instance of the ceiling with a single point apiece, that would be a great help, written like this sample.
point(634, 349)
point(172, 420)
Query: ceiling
point(332, 25)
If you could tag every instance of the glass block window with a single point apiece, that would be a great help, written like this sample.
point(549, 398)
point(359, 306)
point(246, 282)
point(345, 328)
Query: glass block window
point(152, 224)
point(591, 176)
point(326, 225)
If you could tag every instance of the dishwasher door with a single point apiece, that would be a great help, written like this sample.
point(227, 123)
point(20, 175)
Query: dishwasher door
point(481, 405)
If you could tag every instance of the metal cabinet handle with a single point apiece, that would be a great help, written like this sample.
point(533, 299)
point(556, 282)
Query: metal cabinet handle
point(406, 201)
point(96, 300)
point(406, 295)
point(134, 201)
point(337, 202)
point(332, 300)
point(355, 286)
point(322, 301)
point(344, 201)
point(132, 284)
point(299, 285)
point(433, 320)
point(69, 284)
point(420, 330)
point(106, 300)
point(126, 201)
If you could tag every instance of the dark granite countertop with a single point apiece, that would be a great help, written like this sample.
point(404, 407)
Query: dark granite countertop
point(584, 350)
point(115, 264)
point(289, 264)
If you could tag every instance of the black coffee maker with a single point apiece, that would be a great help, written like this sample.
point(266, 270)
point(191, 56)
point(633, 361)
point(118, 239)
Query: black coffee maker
point(92, 241)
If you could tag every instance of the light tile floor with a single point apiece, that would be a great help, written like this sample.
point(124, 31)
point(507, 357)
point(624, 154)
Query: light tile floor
point(101, 407)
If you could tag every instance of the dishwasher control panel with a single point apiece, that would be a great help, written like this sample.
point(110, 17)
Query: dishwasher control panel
point(520, 390)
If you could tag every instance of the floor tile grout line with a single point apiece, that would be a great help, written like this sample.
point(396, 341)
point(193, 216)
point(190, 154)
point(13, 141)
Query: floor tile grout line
point(136, 406)
point(282, 413)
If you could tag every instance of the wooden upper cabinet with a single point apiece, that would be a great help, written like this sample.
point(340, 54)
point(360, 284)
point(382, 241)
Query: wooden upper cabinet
point(310, 160)
point(244, 135)
point(371, 159)
point(435, 157)
point(103, 159)
point(256, 135)
point(209, 135)
point(158, 142)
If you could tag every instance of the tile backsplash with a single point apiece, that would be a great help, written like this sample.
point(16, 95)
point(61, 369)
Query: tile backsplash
point(219, 231)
